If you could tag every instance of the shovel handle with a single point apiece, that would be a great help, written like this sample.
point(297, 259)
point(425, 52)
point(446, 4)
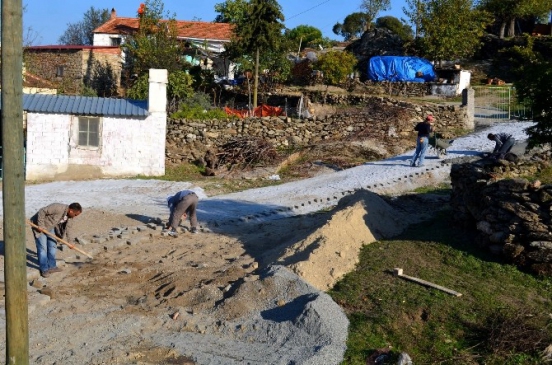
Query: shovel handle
point(40, 229)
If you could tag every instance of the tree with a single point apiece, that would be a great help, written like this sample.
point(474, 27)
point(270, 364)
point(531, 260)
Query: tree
point(414, 11)
point(304, 35)
point(353, 26)
point(103, 80)
point(451, 29)
point(231, 11)
point(336, 66)
point(372, 8)
point(81, 33)
point(260, 29)
point(507, 11)
point(396, 26)
point(533, 85)
point(154, 44)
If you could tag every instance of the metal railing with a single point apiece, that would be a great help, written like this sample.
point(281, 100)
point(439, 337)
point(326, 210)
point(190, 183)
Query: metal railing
point(499, 103)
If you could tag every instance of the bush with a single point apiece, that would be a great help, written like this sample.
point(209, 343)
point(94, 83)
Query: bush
point(198, 106)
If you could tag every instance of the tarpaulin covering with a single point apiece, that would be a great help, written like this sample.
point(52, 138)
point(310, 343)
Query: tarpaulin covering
point(395, 68)
point(260, 111)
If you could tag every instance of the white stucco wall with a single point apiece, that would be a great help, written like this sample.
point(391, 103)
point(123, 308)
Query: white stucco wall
point(128, 147)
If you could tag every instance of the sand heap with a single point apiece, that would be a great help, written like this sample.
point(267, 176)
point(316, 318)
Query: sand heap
point(332, 250)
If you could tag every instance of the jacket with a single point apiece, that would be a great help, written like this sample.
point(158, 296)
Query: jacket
point(50, 217)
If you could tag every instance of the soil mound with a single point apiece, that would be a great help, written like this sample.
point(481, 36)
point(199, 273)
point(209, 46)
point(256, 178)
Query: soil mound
point(331, 251)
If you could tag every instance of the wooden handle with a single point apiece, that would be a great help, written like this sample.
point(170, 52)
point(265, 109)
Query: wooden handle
point(40, 229)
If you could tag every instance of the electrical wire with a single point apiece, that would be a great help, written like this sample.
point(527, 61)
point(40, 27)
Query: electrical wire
point(303, 12)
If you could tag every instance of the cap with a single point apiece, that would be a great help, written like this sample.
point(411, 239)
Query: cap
point(430, 118)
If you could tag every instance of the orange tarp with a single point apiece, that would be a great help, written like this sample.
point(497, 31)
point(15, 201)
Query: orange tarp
point(260, 111)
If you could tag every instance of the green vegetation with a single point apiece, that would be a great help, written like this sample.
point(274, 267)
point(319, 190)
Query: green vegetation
point(336, 66)
point(502, 318)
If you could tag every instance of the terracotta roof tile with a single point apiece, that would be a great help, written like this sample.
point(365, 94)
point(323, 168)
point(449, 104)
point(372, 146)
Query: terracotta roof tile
point(186, 29)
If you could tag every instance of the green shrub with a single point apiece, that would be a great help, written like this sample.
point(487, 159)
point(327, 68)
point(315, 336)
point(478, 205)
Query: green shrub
point(197, 112)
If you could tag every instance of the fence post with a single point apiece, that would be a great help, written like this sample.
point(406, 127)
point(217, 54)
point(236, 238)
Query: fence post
point(509, 103)
point(468, 101)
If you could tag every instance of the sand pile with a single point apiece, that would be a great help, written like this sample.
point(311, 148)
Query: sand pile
point(331, 251)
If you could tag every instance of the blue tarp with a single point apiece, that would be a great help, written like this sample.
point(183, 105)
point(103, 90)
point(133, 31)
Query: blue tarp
point(395, 68)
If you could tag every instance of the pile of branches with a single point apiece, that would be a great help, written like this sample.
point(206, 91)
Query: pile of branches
point(246, 152)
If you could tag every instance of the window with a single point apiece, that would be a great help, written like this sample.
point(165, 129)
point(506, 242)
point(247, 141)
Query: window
point(89, 131)
point(115, 41)
point(59, 71)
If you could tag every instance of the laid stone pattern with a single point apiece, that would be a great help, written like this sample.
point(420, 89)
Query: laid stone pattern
point(188, 140)
point(511, 214)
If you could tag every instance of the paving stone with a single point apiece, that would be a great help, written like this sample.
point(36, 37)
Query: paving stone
point(83, 241)
point(135, 240)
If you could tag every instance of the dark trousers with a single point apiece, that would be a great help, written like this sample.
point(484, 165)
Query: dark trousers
point(506, 147)
point(187, 205)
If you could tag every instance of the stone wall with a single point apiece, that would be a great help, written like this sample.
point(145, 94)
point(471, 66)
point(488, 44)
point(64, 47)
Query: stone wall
point(511, 214)
point(390, 126)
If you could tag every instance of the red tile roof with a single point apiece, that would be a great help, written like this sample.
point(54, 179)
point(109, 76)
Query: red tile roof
point(186, 29)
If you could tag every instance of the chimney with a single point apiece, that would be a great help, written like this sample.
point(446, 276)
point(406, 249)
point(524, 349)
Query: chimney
point(157, 101)
point(113, 13)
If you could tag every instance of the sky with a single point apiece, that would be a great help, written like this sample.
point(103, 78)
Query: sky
point(48, 19)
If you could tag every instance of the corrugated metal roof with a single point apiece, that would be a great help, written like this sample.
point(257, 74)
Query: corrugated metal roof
point(84, 105)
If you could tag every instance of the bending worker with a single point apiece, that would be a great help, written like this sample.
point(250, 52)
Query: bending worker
point(57, 219)
point(504, 143)
point(182, 204)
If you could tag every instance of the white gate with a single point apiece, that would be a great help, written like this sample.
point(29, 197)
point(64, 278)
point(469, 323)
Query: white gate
point(499, 103)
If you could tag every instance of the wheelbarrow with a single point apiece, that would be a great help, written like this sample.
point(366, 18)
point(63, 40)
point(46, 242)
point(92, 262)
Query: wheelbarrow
point(439, 144)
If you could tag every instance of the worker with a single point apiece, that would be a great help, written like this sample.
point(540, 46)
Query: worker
point(503, 144)
point(182, 205)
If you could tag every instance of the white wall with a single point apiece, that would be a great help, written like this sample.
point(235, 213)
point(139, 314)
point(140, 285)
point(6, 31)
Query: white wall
point(128, 147)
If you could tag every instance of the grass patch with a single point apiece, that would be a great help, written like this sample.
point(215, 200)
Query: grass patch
point(440, 189)
point(499, 303)
point(544, 175)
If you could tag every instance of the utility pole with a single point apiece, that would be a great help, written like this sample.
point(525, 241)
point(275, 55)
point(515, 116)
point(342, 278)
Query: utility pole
point(13, 185)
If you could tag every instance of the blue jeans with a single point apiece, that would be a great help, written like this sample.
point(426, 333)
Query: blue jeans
point(421, 149)
point(46, 248)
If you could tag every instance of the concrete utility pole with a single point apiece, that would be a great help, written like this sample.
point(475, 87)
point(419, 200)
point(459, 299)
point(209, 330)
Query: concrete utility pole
point(13, 185)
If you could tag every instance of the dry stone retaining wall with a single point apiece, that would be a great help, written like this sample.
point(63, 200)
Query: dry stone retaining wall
point(511, 214)
point(188, 140)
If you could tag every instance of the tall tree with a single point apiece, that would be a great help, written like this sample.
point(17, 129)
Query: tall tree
point(396, 26)
point(261, 29)
point(451, 29)
point(353, 26)
point(304, 35)
point(81, 33)
point(372, 8)
point(155, 43)
point(231, 11)
point(506, 12)
point(414, 11)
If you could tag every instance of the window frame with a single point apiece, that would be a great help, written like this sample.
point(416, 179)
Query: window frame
point(98, 131)
point(60, 70)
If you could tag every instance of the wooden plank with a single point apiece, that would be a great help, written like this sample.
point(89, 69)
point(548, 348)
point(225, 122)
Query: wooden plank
point(399, 272)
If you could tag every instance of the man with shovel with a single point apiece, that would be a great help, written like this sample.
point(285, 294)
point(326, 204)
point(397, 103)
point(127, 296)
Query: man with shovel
point(56, 219)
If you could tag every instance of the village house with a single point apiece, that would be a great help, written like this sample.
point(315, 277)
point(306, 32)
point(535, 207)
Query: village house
point(203, 39)
point(76, 137)
point(67, 67)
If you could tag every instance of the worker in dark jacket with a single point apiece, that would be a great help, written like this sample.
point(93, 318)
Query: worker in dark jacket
point(503, 144)
point(422, 141)
point(182, 205)
point(57, 219)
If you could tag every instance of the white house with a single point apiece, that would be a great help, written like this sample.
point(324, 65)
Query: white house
point(75, 137)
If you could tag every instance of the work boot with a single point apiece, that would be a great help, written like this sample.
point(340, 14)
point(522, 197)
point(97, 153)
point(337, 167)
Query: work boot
point(193, 230)
point(54, 269)
point(44, 274)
